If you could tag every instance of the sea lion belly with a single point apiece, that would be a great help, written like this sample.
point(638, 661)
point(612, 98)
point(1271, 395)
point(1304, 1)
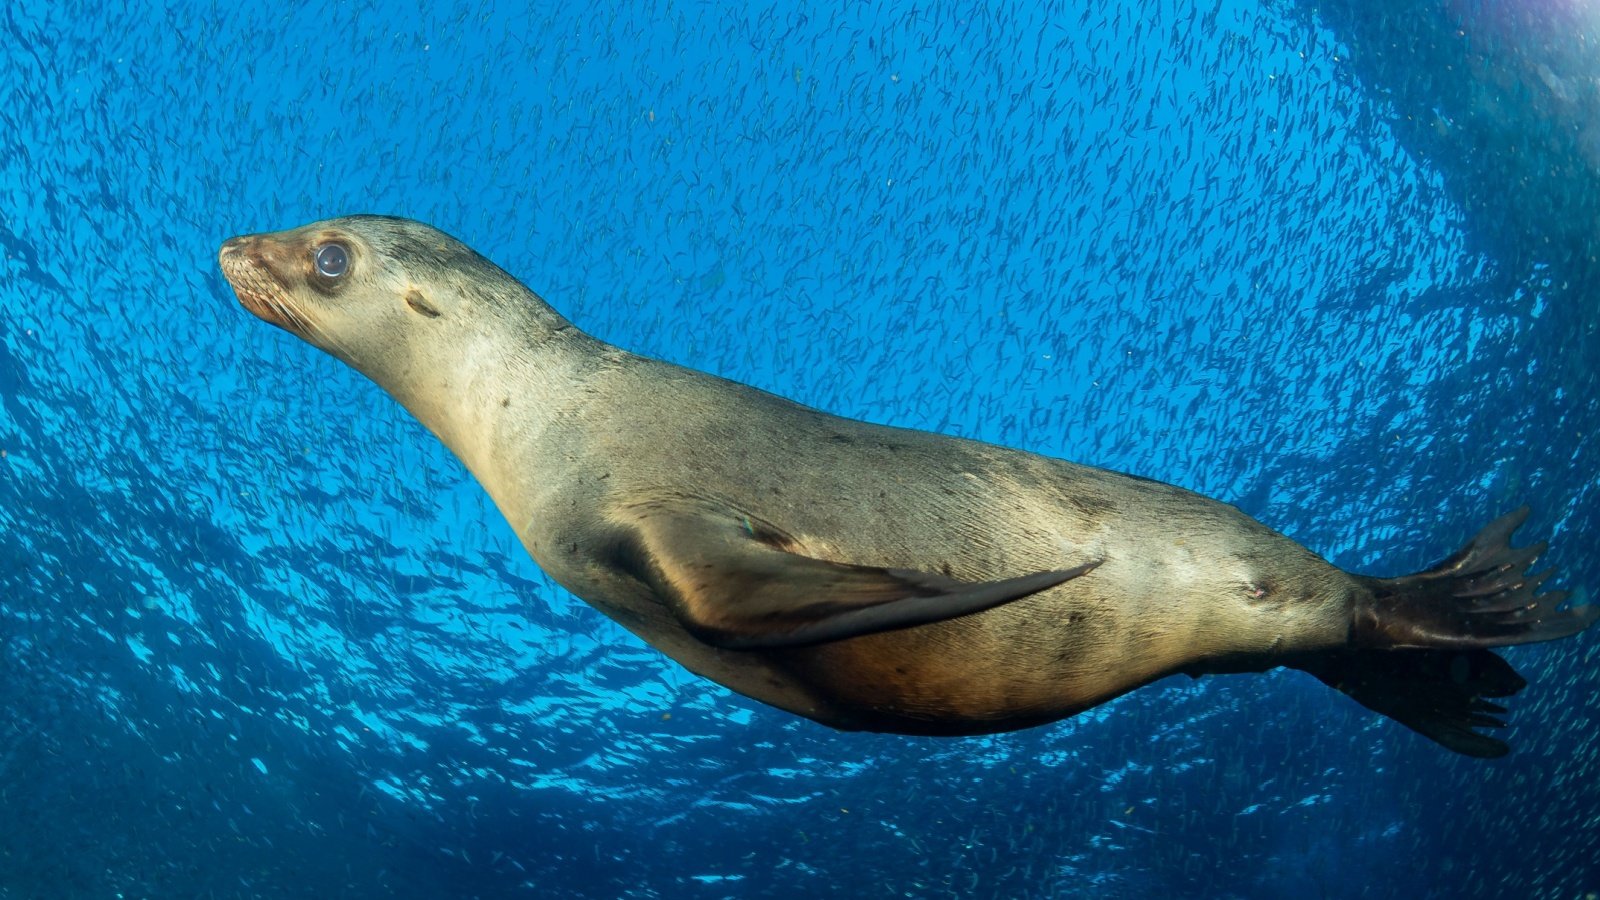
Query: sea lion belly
point(1184, 579)
point(1192, 597)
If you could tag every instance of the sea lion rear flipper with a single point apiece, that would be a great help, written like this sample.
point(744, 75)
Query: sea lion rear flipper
point(1480, 596)
point(1440, 694)
point(733, 583)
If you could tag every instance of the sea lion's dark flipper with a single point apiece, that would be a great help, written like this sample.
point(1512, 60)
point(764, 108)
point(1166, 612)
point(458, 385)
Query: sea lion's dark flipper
point(734, 584)
point(1481, 596)
point(1436, 693)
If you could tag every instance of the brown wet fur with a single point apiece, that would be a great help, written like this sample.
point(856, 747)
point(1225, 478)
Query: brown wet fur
point(569, 435)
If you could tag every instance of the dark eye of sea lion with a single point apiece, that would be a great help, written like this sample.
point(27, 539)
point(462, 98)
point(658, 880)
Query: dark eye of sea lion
point(332, 260)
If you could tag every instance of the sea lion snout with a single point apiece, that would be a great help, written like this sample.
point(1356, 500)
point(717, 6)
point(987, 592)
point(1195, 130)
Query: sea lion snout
point(251, 264)
point(253, 249)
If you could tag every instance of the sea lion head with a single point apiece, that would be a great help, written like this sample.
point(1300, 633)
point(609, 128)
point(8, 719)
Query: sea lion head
point(409, 306)
point(364, 288)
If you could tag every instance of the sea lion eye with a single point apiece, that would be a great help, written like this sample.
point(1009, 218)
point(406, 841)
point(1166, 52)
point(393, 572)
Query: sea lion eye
point(332, 260)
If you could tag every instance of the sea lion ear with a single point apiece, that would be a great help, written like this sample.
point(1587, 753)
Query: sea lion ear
point(730, 586)
point(419, 304)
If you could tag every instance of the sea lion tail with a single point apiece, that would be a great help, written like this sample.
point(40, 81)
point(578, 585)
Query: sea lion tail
point(1439, 694)
point(1480, 596)
point(1418, 644)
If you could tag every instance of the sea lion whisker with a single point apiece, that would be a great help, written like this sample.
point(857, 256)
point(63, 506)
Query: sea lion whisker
point(303, 322)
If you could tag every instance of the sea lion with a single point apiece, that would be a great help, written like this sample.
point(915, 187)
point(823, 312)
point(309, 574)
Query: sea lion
point(864, 576)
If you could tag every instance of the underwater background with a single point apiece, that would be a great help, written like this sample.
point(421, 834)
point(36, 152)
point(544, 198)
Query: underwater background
point(261, 636)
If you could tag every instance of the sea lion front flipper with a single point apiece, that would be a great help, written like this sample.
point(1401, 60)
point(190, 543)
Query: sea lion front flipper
point(734, 583)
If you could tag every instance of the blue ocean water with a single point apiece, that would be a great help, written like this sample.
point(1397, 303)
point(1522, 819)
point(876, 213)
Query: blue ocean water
point(261, 636)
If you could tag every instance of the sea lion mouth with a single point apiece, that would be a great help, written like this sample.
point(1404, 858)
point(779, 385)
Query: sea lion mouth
point(259, 289)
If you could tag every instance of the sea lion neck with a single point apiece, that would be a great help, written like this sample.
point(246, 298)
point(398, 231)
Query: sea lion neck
point(514, 374)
